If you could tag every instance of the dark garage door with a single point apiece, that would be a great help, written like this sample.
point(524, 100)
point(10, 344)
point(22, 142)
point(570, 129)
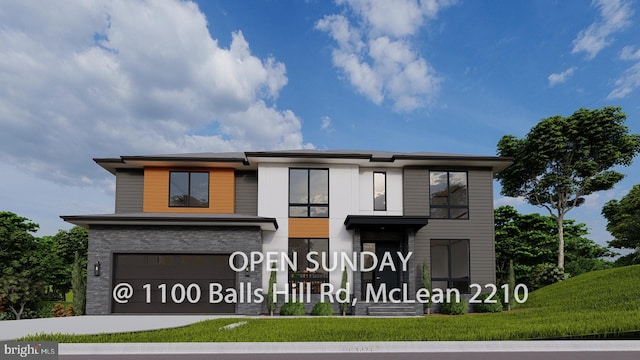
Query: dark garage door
point(172, 283)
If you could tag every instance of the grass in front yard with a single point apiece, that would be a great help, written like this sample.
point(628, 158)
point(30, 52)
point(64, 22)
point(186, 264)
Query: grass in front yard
point(605, 302)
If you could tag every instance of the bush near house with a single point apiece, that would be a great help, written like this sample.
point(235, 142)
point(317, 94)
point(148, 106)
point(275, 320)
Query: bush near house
point(454, 307)
point(292, 309)
point(322, 309)
point(488, 307)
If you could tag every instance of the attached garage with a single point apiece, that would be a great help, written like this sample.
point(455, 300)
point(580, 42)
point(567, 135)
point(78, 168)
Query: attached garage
point(172, 283)
point(171, 257)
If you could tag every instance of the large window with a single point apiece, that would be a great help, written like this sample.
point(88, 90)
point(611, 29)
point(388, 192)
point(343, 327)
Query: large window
point(379, 191)
point(450, 264)
point(299, 249)
point(449, 198)
point(188, 189)
point(309, 193)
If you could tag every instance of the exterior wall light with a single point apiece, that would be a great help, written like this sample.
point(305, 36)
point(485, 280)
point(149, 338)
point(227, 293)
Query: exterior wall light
point(96, 269)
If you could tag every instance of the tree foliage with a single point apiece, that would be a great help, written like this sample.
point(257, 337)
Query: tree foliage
point(426, 283)
point(30, 265)
point(344, 306)
point(271, 303)
point(530, 240)
point(623, 222)
point(79, 285)
point(563, 159)
point(60, 256)
point(21, 265)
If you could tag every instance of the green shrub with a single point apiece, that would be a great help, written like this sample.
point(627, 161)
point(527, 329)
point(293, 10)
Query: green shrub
point(322, 309)
point(487, 307)
point(454, 307)
point(292, 309)
point(545, 274)
point(583, 265)
point(45, 307)
point(7, 315)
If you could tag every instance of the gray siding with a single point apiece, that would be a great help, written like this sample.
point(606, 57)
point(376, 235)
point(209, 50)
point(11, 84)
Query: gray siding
point(105, 240)
point(478, 229)
point(129, 191)
point(416, 192)
point(246, 197)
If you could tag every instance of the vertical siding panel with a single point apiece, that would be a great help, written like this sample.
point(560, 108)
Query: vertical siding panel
point(129, 191)
point(156, 189)
point(416, 192)
point(246, 194)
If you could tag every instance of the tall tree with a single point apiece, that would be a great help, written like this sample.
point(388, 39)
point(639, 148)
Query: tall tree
point(563, 159)
point(623, 222)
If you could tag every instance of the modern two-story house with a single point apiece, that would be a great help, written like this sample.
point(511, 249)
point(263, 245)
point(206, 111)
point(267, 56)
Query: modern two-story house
point(179, 218)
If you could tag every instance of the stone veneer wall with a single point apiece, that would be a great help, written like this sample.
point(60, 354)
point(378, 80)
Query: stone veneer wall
point(105, 240)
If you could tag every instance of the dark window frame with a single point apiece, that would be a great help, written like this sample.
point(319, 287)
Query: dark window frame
point(385, 190)
point(308, 204)
point(448, 206)
point(188, 205)
point(451, 280)
point(314, 279)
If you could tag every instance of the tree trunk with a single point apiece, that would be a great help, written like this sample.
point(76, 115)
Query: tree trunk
point(17, 313)
point(560, 242)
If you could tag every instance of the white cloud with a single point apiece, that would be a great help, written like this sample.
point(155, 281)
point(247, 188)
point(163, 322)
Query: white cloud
point(627, 83)
point(559, 78)
point(630, 80)
point(614, 16)
point(375, 52)
point(88, 79)
point(326, 125)
point(630, 53)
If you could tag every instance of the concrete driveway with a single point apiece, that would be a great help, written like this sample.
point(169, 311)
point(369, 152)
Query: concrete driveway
point(13, 329)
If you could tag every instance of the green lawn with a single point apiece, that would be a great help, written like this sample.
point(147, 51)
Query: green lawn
point(604, 303)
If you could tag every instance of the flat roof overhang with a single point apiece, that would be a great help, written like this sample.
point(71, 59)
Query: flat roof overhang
point(386, 222)
point(304, 157)
point(264, 223)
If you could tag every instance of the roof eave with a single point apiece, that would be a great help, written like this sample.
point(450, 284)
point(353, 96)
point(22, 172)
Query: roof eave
point(267, 224)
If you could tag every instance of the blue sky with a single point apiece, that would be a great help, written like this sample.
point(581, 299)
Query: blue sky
point(107, 78)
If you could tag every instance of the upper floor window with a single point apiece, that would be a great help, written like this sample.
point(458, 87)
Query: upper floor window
point(188, 189)
point(309, 193)
point(380, 191)
point(449, 198)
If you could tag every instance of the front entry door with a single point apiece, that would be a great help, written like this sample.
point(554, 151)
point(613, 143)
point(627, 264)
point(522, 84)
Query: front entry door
point(388, 276)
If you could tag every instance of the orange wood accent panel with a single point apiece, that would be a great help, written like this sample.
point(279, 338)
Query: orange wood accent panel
point(221, 191)
point(308, 228)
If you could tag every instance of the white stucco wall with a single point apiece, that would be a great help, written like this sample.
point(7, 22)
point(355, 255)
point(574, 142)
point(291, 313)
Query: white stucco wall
point(350, 193)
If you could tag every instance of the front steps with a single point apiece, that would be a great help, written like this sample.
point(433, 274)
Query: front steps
point(389, 309)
